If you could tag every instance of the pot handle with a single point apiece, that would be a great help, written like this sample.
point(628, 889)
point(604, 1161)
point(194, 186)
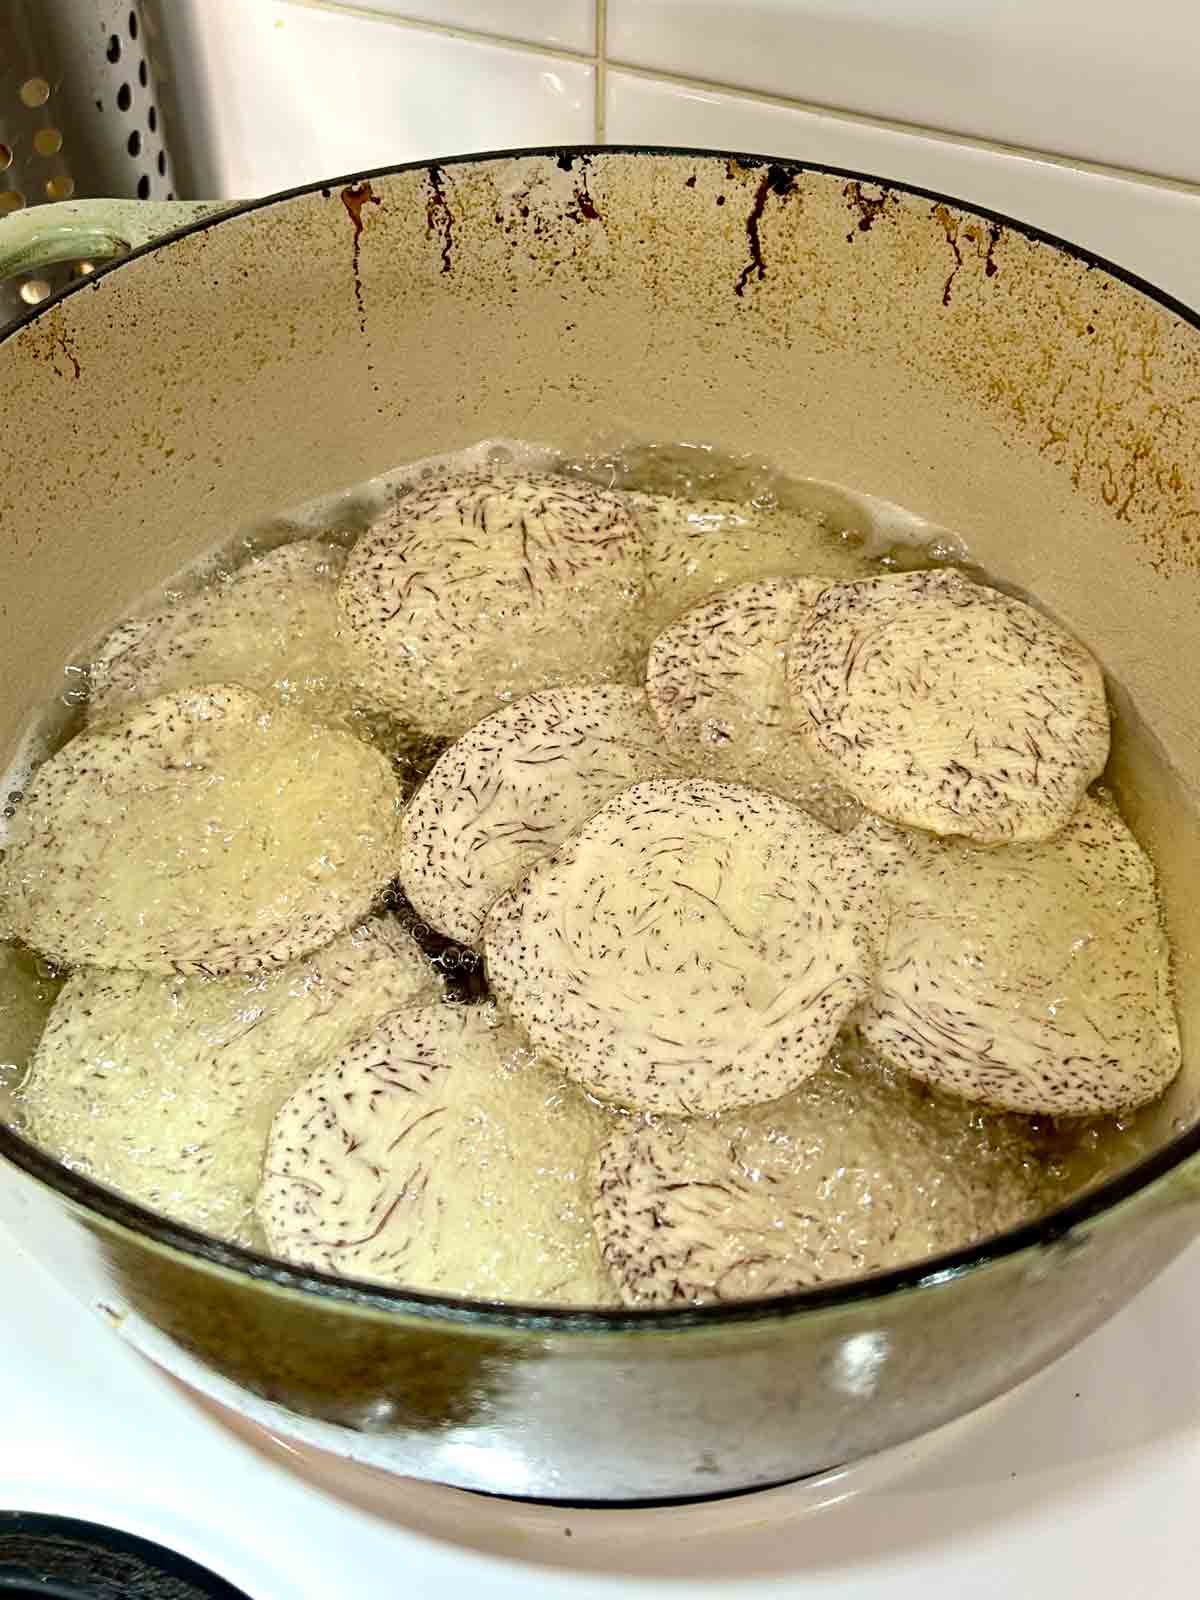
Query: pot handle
point(91, 230)
point(1183, 1185)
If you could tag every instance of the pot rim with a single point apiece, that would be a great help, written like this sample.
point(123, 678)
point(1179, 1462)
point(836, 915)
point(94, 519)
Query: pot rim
point(87, 1194)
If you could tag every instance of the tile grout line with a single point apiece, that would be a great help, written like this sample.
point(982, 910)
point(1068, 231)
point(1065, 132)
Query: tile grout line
point(601, 123)
point(601, 64)
point(447, 30)
point(864, 119)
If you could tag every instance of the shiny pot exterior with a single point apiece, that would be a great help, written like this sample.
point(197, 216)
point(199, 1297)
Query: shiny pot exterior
point(574, 1407)
point(990, 380)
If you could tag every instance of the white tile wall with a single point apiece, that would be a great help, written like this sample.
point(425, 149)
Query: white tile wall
point(292, 91)
point(1105, 80)
point(295, 93)
point(565, 24)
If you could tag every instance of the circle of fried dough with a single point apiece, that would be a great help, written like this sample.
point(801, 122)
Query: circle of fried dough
point(693, 946)
point(471, 590)
point(205, 831)
point(942, 704)
point(511, 789)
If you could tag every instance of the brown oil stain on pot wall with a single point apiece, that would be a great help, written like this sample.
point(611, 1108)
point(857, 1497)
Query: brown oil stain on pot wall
point(314, 1357)
point(585, 209)
point(439, 219)
point(1109, 387)
point(53, 344)
point(354, 197)
point(949, 223)
point(1082, 367)
point(67, 350)
point(994, 232)
point(984, 239)
point(869, 207)
point(775, 180)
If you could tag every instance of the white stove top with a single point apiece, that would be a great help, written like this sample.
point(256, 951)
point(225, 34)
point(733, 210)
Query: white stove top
point(1085, 1482)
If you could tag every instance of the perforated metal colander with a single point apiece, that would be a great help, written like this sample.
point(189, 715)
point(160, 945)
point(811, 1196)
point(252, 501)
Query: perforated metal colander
point(79, 115)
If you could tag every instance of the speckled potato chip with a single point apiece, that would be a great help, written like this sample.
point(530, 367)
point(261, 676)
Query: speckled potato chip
point(854, 1173)
point(945, 705)
point(436, 1154)
point(271, 626)
point(472, 590)
point(717, 682)
point(164, 1088)
point(1033, 977)
point(694, 946)
point(206, 831)
point(510, 791)
point(699, 548)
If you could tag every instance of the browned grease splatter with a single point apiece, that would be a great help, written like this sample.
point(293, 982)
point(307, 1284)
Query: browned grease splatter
point(354, 197)
point(869, 207)
point(585, 209)
point(56, 345)
point(439, 219)
point(989, 261)
point(63, 344)
point(775, 180)
point(975, 234)
point(950, 227)
point(585, 206)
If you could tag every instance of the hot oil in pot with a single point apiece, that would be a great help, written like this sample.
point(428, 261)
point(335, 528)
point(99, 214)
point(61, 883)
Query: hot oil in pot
point(862, 1146)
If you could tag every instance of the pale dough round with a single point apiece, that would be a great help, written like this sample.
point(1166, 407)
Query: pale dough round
point(853, 1173)
point(511, 789)
point(1033, 977)
point(470, 591)
point(694, 946)
point(206, 831)
point(436, 1154)
point(717, 681)
point(942, 704)
point(271, 625)
point(164, 1088)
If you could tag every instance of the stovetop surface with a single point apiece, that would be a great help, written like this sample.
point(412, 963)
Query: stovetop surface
point(1087, 1481)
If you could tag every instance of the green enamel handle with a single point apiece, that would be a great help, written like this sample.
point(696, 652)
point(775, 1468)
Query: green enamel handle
point(1184, 1183)
point(90, 230)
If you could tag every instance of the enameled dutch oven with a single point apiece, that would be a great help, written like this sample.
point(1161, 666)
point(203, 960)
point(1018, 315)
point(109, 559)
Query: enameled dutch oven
point(992, 379)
